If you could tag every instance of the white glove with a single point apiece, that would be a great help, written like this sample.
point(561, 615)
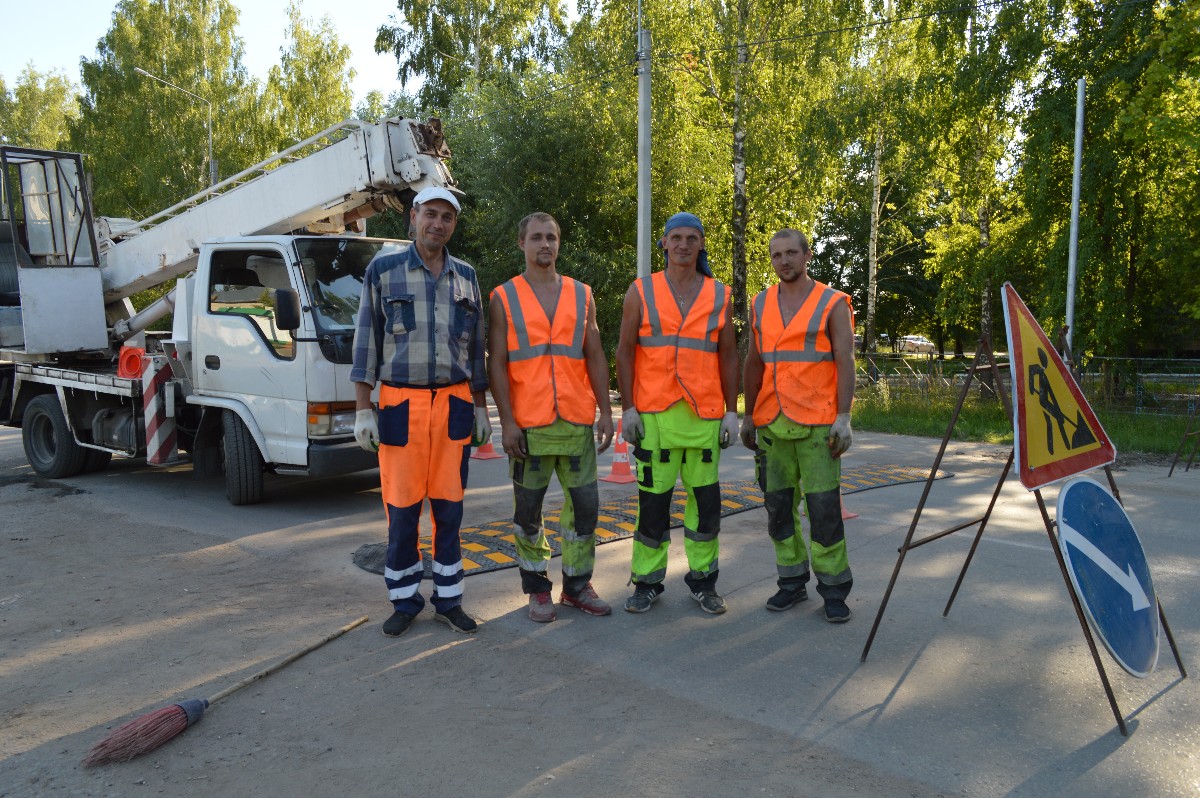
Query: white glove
point(840, 435)
point(483, 427)
point(729, 429)
point(631, 426)
point(366, 429)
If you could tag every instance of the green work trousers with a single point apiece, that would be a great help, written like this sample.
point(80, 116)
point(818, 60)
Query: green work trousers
point(788, 454)
point(678, 444)
point(567, 450)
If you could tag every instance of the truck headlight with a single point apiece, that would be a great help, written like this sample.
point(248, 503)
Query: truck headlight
point(329, 419)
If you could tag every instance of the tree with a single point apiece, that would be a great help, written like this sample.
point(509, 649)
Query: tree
point(310, 89)
point(453, 44)
point(1139, 248)
point(39, 110)
point(146, 142)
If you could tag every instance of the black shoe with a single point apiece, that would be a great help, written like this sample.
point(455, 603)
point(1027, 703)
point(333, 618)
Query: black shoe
point(644, 594)
point(457, 619)
point(836, 611)
point(398, 624)
point(785, 599)
point(709, 601)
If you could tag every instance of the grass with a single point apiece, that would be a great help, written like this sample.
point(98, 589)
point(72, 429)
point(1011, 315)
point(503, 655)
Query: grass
point(926, 413)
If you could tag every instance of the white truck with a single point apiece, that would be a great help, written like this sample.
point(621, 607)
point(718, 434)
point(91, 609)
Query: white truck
point(254, 375)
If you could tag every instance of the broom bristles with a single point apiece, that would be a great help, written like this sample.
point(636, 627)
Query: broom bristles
point(138, 736)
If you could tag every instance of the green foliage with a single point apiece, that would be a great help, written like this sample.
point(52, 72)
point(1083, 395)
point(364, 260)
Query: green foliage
point(310, 88)
point(457, 44)
point(146, 142)
point(38, 111)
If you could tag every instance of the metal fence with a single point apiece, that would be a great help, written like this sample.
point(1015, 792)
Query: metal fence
point(1151, 386)
point(1142, 386)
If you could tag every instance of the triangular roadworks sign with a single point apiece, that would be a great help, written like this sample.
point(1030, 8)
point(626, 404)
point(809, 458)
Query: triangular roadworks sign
point(1056, 433)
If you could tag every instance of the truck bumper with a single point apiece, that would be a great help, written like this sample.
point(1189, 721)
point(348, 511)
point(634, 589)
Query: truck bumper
point(333, 459)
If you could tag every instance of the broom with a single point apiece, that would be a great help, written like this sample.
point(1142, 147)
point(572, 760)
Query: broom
point(147, 732)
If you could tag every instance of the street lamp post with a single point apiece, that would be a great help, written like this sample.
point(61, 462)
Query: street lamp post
point(212, 164)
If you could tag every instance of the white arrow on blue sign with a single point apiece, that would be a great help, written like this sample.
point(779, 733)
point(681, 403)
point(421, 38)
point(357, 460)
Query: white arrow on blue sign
point(1108, 568)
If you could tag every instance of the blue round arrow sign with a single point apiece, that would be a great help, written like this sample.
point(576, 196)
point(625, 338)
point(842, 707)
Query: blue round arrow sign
point(1108, 568)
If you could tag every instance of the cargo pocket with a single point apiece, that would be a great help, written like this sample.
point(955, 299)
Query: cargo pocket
point(393, 425)
point(642, 462)
point(460, 421)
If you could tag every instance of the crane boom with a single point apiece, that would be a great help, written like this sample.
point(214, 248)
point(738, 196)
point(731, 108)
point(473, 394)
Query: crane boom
point(366, 167)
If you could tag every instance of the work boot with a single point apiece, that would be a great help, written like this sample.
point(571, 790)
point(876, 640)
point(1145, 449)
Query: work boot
point(785, 599)
point(709, 601)
point(587, 600)
point(457, 619)
point(541, 608)
point(397, 624)
point(644, 594)
point(836, 610)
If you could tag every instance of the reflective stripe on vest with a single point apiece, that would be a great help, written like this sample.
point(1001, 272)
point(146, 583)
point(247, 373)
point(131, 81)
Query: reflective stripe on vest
point(544, 352)
point(677, 355)
point(800, 375)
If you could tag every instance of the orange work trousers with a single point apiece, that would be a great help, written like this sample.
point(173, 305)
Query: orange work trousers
point(424, 446)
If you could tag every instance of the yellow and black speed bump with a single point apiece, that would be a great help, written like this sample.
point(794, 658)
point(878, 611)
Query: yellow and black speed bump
point(490, 546)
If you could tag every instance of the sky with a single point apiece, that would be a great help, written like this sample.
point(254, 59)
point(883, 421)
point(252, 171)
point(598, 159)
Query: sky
point(50, 44)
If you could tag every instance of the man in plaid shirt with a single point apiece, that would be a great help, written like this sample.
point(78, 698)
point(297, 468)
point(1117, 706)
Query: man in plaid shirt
point(420, 338)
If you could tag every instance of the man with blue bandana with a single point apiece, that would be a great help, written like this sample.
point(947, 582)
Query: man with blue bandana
point(677, 372)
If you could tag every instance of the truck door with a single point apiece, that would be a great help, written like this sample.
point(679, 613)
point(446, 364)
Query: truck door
point(239, 352)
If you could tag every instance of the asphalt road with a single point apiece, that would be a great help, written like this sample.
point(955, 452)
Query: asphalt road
point(128, 589)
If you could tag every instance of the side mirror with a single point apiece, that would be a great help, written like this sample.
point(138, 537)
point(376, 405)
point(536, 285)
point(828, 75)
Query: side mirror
point(287, 309)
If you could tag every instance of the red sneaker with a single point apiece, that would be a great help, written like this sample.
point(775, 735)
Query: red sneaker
point(541, 608)
point(587, 600)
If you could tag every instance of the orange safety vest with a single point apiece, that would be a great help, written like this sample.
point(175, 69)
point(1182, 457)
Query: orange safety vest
point(676, 357)
point(800, 376)
point(547, 371)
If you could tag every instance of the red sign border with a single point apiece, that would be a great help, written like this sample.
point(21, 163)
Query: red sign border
point(1068, 466)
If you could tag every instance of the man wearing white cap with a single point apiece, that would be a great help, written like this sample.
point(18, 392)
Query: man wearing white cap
point(420, 337)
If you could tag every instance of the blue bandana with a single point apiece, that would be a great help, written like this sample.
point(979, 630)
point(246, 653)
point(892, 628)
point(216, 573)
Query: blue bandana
point(684, 219)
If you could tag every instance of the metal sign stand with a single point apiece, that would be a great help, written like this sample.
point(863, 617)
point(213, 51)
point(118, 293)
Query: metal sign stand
point(985, 359)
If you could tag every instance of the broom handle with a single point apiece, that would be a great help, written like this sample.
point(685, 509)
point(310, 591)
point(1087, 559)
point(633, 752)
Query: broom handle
point(287, 661)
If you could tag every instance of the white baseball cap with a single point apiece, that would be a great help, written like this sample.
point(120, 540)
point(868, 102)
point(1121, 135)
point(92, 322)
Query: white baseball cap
point(437, 193)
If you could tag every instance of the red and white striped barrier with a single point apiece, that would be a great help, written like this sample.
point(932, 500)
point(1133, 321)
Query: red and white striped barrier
point(158, 409)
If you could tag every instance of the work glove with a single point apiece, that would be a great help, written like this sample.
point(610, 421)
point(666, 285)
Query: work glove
point(840, 435)
point(729, 429)
point(483, 426)
point(631, 426)
point(366, 429)
point(749, 433)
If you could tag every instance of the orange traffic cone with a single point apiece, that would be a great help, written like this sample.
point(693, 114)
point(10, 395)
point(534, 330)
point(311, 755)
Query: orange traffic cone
point(486, 452)
point(620, 462)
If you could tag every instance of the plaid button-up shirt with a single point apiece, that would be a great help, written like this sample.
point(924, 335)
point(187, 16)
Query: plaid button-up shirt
point(413, 330)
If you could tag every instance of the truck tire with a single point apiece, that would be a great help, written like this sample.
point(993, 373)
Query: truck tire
point(95, 460)
point(243, 463)
point(49, 445)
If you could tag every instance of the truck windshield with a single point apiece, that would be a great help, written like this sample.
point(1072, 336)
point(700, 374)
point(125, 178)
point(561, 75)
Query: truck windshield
point(333, 271)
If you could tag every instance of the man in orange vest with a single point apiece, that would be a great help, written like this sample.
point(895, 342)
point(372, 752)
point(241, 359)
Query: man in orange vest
point(677, 373)
point(420, 337)
point(548, 376)
point(799, 381)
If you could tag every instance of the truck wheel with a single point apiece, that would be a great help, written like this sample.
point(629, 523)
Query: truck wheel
point(49, 445)
point(243, 463)
point(95, 460)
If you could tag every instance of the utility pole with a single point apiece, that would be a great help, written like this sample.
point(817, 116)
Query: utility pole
point(644, 232)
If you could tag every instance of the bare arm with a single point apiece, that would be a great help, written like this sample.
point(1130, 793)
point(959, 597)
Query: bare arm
point(727, 359)
point(511, 436)
point(362, 395)
point(841, 337)
point(597, 369)
point(752, 376)
point(631, 321)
